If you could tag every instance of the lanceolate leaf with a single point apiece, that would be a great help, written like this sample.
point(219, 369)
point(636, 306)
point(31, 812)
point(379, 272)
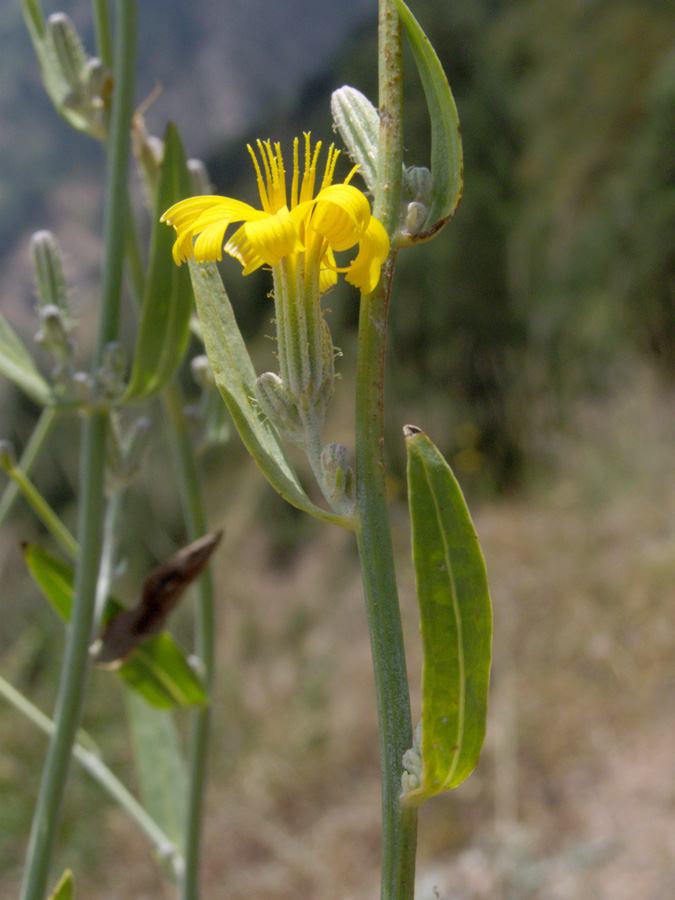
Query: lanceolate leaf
point(235, 377)
point(159, 764)
point(158, 669)
point(17, 364)
point(64, 889)
point(456, 624)
point(446, 142)
point(165, 315)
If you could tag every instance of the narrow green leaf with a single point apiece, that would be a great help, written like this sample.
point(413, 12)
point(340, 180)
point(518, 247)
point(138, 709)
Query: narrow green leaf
point(456, 623)
point(65, 889)
point(157, 670)
point(235, 377)
point(159, 764)
point(164, 329)
point(17, 364)
point(52, 576)
point(446, 142)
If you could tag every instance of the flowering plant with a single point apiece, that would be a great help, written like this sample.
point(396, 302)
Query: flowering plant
point(307, 233)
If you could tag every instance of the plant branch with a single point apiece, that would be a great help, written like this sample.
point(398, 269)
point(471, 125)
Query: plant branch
point(74, 672)
point(399, 825)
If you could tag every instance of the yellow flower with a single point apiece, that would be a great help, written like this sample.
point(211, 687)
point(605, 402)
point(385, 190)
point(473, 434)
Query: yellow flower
point(309, 229)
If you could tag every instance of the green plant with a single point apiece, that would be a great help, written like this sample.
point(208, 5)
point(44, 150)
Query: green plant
point(302, 236)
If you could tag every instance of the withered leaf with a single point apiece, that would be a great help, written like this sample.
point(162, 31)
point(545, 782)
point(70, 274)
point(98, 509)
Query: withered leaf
point(162, 590)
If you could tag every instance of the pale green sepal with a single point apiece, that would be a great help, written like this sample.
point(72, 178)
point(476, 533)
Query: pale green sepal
point(164, 329)
point(65, 889)
point(160, 767)
point(17, 364)
point(236, 377)
point(358, 122)
point(446, 142)
point(456, 626)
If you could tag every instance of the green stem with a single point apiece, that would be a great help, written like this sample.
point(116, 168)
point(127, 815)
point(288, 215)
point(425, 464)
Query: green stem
point(102, 29)
point(43, 426)
point(94, 765)
point(43, 510)
point(399, 824)
point(74, 671)
point(195, 521)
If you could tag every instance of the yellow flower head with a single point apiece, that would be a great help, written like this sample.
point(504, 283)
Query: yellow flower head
point(336, 219)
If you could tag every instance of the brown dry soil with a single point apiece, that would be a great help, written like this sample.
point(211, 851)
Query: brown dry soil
point(574, 797)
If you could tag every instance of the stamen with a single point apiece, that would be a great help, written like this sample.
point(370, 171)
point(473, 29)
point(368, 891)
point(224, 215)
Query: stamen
point(264, 199)
point(330, 166)
point(352, 173)
point(296, 175)
point(264, 149)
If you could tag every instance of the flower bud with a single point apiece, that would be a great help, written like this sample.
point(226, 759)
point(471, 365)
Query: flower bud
point(202, 372)
point(277, 404)
point(358, 122)
point(70, 56)
point(149, 153)
point(48, 267)
point(96, 79)
point(338, 478)
point(53, 333)
point(411, 779)
point(83, 388)
point(199, 178)
point(110, 378)
point(416, 197)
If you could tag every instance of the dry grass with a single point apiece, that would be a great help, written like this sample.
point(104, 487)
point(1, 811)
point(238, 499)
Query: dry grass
point(574, 795)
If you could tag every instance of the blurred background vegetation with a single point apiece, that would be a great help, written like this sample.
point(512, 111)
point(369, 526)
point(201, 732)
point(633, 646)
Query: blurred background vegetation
point(534, 340)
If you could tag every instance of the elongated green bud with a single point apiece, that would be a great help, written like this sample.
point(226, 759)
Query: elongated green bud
point(53, 333)
point(202, 372)
point(358, 122)
point(110, 378)
point(47, 261)
point(277, 404)
point(338, 478)
point(68, 50)
point(148, 151)
point(199, 178)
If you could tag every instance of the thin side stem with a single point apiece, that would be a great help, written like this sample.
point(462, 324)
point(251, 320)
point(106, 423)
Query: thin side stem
point(94, 765)
point(399, 824)
point(43, 511)
point(74, 672)
point(189, 484)
point(43, 427)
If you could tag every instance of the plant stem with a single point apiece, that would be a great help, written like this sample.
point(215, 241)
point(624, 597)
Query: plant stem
point(43, 426)
point(102, 29)
point(399, 824)
point(44, 511)
point(74, 671)
point(90, 760)
point(189, 486)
